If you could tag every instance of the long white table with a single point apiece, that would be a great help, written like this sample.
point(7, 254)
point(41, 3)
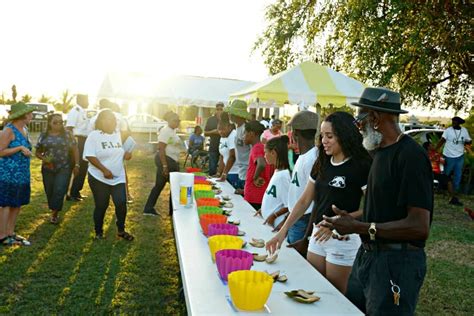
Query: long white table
point(206, 294)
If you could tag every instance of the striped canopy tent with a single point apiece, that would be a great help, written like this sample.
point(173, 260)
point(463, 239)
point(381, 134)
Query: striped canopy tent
point(305, 84)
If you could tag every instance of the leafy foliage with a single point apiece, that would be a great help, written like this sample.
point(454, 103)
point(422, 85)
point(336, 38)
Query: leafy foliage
point(421, 48)
point(65, 104)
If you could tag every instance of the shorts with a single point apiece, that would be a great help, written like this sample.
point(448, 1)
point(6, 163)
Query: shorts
point(340, 252)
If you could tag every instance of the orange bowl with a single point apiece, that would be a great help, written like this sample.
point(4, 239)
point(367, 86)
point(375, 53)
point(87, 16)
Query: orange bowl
point(191, 169)
point(206, 219)
point(208, 202)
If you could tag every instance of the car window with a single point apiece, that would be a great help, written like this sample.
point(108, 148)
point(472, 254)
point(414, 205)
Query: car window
point(40, 107)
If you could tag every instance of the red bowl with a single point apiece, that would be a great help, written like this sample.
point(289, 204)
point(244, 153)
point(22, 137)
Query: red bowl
point(191, 169)
point(208, 202)
point(206, 219)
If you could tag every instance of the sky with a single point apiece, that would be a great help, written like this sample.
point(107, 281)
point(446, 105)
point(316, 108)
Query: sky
point(49, 46)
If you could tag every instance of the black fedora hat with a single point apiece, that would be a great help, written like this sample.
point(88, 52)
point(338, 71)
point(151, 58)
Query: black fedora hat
point(380, 100)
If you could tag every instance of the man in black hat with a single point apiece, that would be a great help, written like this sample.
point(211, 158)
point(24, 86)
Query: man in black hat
point(455, 140)
point(391, 263)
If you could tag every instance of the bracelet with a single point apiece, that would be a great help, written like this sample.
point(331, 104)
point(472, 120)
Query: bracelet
point(77, 165)
point(165, 166)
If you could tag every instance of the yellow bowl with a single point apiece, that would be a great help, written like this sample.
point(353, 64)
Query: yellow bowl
point(249, 289)
point(202, 187)
point(219, 242)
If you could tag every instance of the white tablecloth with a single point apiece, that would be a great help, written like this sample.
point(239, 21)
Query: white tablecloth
point(206, 294)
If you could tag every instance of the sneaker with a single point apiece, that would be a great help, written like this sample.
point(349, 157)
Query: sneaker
point(74, 198)
point(99, 236)
point(455, 201)
point(20, 240)
point(151, 213)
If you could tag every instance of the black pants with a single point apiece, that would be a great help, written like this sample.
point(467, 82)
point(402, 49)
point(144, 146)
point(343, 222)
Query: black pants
point(102, 192)
point(55, 186)
point(369, 286)
point(213, 162)
point(78, 182)
point(160, 182)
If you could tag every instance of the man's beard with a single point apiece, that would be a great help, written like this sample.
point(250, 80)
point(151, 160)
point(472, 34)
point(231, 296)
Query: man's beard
point(371, 138)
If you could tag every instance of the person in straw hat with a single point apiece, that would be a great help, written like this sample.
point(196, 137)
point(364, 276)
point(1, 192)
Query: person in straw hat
point(239, 115)
point(15, 155)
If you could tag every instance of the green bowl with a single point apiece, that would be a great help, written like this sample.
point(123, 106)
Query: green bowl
point(209, 210)
point(200, 173)
point(203, 194)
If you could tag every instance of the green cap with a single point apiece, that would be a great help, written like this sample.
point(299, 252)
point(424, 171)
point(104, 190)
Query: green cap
point(238, 108)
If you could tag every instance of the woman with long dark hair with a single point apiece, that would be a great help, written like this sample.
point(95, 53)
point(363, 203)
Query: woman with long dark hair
point(338, 179)
point(57, 149)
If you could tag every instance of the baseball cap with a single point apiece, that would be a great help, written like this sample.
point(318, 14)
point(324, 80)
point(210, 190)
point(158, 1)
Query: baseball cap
point(304, 120)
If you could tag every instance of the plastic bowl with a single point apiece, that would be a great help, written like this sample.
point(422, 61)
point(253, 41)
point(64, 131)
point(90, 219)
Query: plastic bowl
point(203, 187)
point(219, 242)
point(207, 219)
point(202, 181)
point(202, 174)
point(222, 229)
point(200, 178)
point(209, 210)
point(191, 169)
point(230, 260)
point(208, 202)
point(204, 194)
point(250, 290)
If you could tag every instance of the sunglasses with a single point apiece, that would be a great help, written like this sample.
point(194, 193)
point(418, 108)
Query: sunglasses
point(359, 119)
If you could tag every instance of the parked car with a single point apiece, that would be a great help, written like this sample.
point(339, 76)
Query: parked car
point(41, 111)
point(404, 127)
point(425, 134)
point(145, 123)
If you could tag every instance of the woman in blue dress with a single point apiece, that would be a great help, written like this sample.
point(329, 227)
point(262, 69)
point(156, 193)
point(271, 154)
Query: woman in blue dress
point(15, 154)
point(57, 149)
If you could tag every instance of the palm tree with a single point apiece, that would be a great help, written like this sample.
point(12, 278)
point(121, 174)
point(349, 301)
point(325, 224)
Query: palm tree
point(66, 102)
point(26, 98)
point(45, 99)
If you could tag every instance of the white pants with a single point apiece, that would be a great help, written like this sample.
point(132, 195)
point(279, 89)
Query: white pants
point(340, 252)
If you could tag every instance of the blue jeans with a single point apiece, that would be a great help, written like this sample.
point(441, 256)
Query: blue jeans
point(297, 231)
point(233, 179)
point(102, 193)
point(454, 165)
point(55, 185)
point(213, 161)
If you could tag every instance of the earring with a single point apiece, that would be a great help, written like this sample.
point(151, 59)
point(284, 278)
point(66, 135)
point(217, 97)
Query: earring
point(376, 127)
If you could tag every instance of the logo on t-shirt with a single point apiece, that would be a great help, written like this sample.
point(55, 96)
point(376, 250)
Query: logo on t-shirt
point(110, 145)
point(272, 191)
point(338, 182)
point(295, 179)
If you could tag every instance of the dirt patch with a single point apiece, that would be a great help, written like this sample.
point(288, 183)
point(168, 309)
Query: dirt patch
point(453, 251)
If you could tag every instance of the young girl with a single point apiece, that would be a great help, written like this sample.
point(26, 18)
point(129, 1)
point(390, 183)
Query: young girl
point(275, 201)
point(259, 172)
point(339, 178)
point(227, 167)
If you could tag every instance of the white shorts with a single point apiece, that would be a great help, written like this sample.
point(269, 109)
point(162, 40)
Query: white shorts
point(340, 252)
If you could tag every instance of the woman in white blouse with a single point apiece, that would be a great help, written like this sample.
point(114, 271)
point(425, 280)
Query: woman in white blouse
point(103, 149)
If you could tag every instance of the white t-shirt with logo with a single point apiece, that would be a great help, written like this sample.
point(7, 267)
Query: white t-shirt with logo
point(107, 148)
point(226, 144)
point(455, 139)
point(276, 195)
point(77, 118)
point(300, 177)
point(174, 144)
point(242, 152)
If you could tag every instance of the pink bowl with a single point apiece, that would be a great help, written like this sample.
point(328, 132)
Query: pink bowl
point(200, 178)
point(229, 260)
point(222, 229)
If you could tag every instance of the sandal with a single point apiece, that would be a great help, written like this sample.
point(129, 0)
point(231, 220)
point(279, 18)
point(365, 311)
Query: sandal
point(9, 241)
point(125, 236)
point(20, 240)
point(54, 220)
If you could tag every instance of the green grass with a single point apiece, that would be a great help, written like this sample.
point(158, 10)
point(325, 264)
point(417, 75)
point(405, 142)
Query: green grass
point(66, 272)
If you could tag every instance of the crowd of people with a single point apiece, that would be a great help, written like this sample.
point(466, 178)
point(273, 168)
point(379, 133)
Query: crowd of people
point(357, 203)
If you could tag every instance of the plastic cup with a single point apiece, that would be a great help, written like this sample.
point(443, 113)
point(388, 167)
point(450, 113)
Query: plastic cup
point(207, 219)
point(209, 210)
point(219, 242)
point(250, 290)
point(222, 229)
point(230, 260)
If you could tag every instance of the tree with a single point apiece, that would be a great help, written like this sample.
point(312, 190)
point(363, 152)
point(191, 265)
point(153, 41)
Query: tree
point(421, 48)
point(45, 99)
point(65, 104)
point(26, 98)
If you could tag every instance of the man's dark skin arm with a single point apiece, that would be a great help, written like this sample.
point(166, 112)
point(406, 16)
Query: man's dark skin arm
point(441, 142)
point(257, 180)
point(415, 226)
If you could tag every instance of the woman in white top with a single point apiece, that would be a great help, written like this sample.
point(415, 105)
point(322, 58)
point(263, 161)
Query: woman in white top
point(103, 149)
point(227, 167)
point(275, 200)
point(166, 160)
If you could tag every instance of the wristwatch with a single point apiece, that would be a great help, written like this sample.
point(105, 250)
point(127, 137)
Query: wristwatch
point(372, 231)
